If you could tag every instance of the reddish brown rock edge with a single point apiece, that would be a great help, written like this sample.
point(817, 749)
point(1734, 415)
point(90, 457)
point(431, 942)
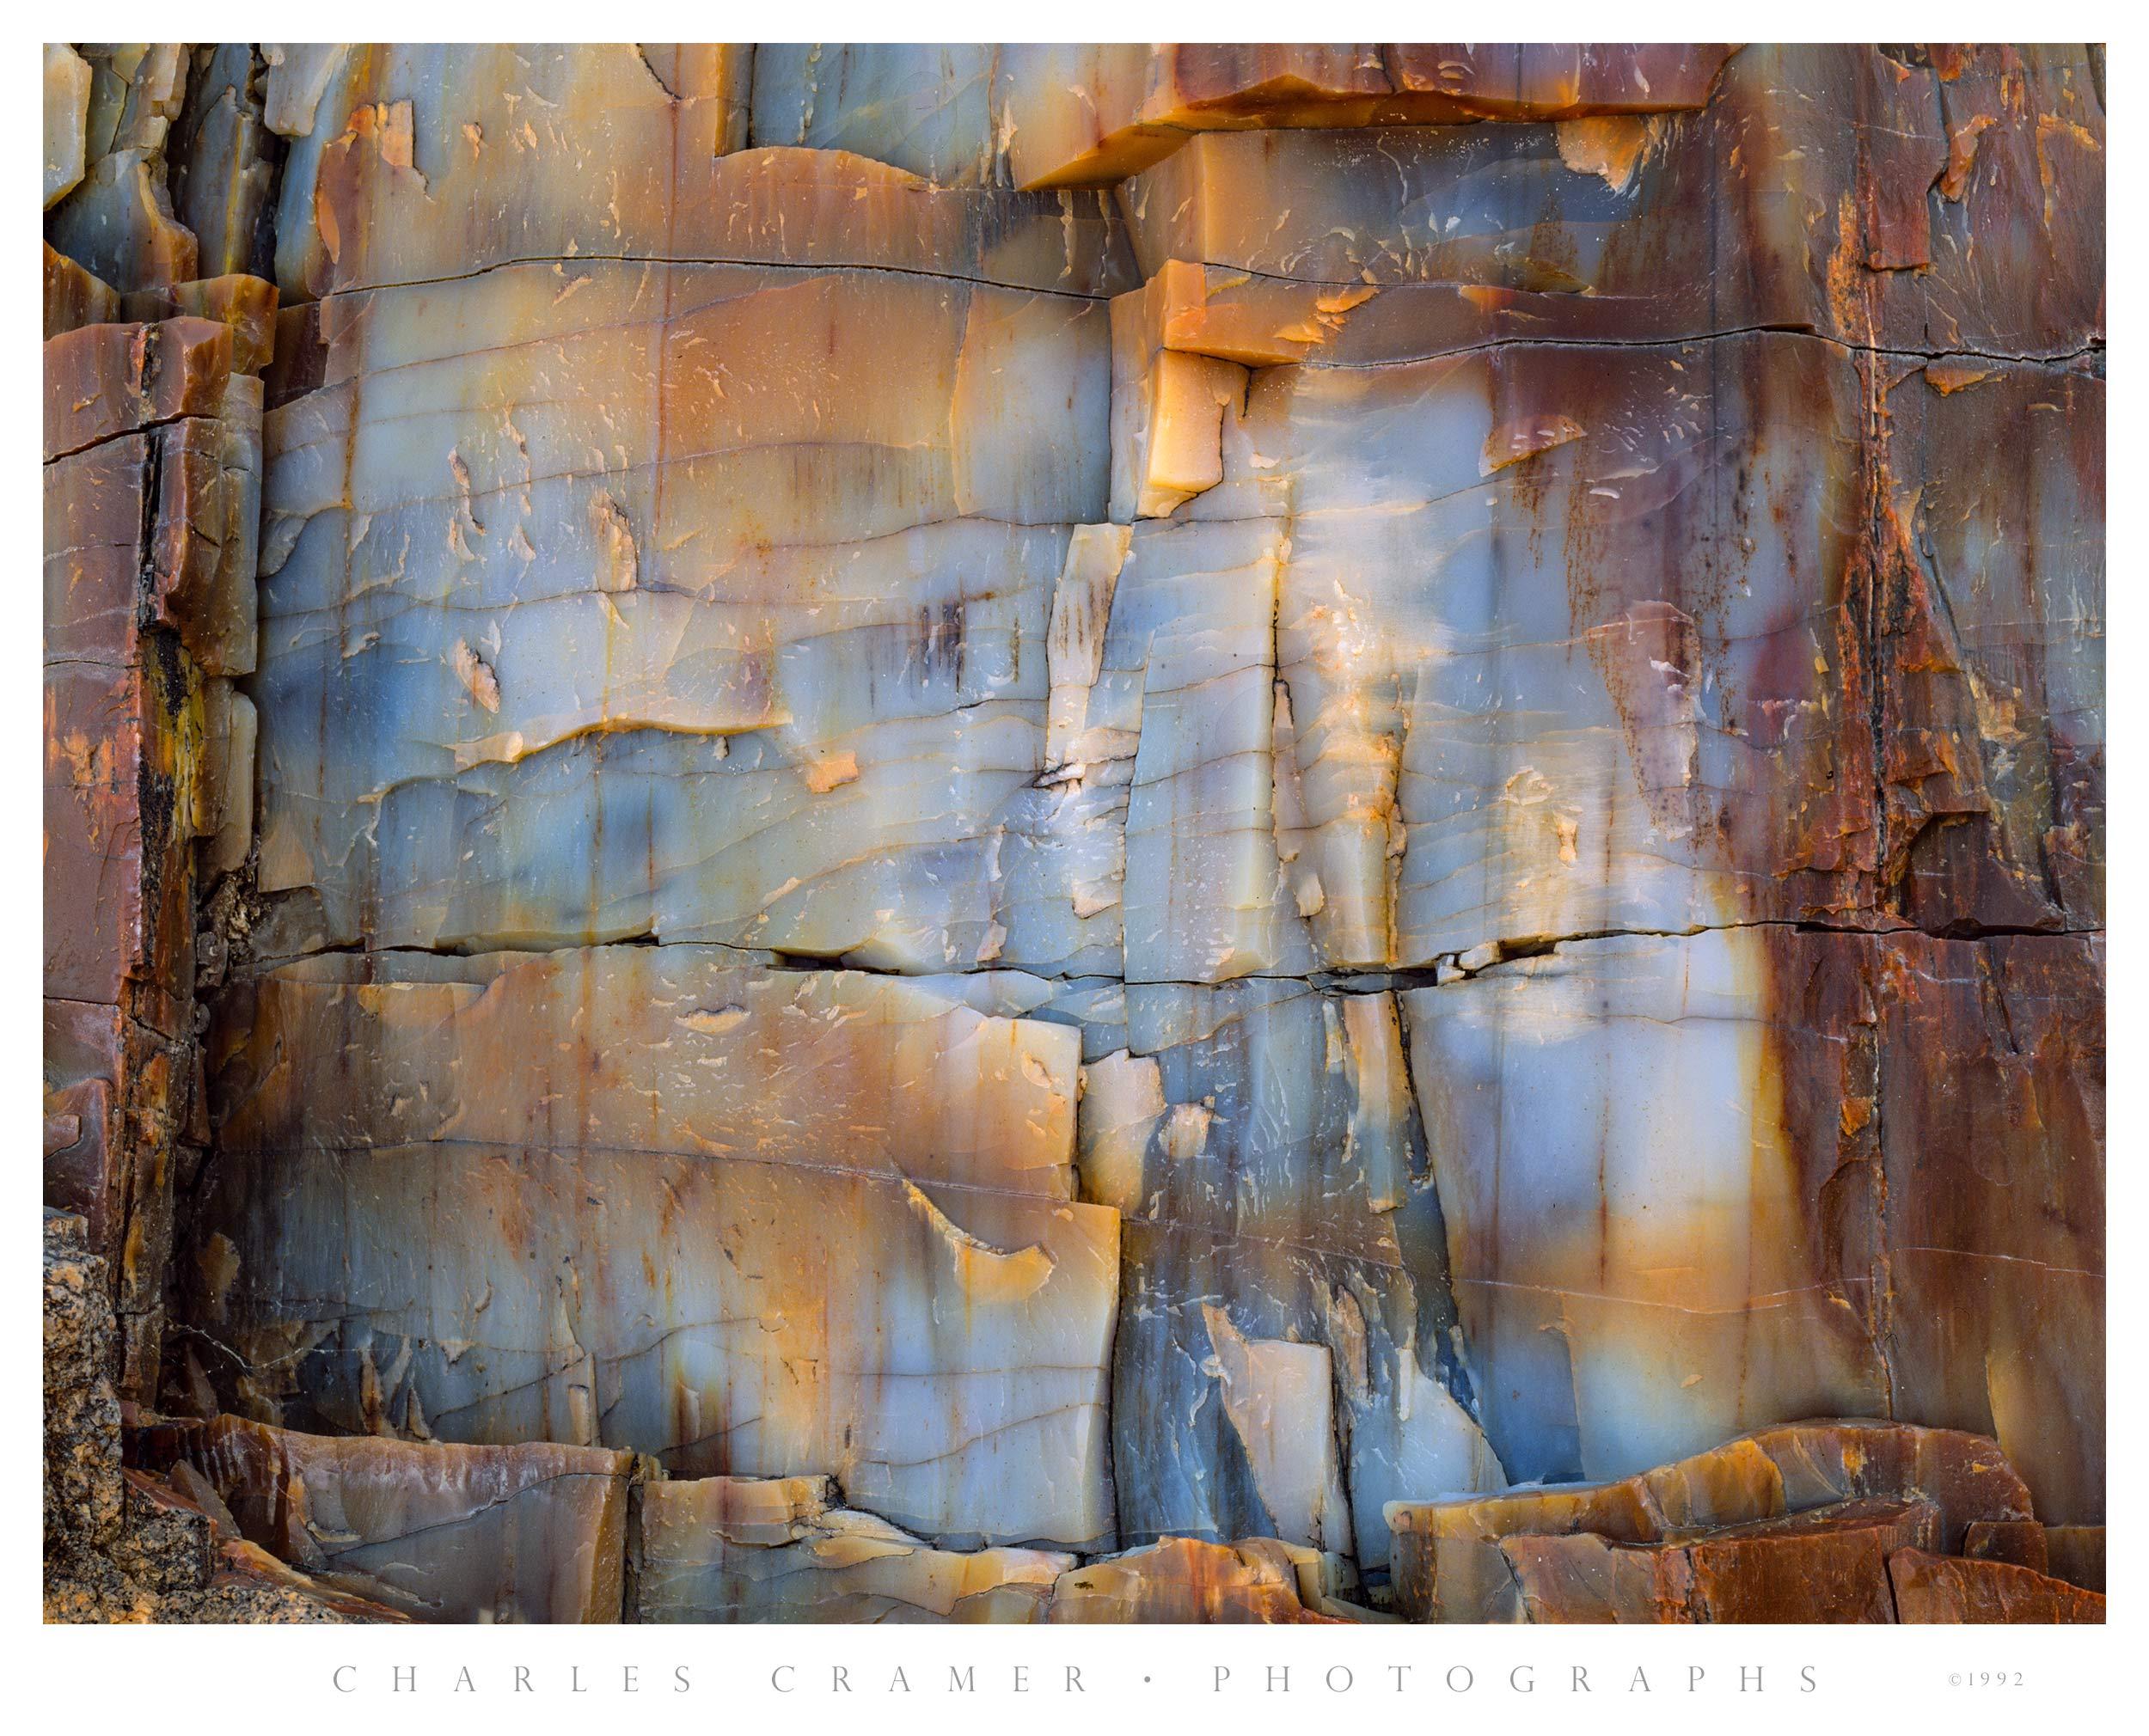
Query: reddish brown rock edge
point(1954, 1205)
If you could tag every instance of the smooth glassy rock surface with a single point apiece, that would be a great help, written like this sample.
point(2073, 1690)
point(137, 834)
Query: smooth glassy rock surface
point(695, 1252)
point(1889, 1244)
point(531, 1533)
point(734, 1549)
point(1079, 114)
point(1180, 1580)
point(1077, 832)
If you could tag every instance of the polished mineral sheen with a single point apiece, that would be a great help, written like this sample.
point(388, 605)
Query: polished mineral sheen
point(1074, 833)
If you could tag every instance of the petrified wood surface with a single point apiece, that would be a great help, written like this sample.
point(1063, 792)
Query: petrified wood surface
point(1077, 832)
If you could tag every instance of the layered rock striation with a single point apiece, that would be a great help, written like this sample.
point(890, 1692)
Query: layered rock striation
point(1055, 832)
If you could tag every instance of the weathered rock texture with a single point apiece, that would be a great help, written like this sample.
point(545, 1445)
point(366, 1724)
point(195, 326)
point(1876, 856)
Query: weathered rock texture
point(123, 1544)
point(527, 1533)
point(1819, 1521)
point(1069, 833)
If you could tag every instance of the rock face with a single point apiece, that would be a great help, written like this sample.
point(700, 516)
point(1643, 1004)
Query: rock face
point(152, 491)
point(1931, 1588)
point(736, 1549)
point(126, 1545)
point(1818, 1521)
point(448, 1534)
point(1076, 832)
point(702, 1248)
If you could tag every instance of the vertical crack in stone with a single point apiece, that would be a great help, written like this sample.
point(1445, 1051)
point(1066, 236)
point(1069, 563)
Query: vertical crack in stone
point(858, 804)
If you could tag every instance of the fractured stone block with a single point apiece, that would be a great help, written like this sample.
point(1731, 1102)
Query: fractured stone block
point(1938, 1588)
point(734, 1549)
point(1179, 1579)
point(692, 1254)
point(519, 1533)
point(1788, 1523)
